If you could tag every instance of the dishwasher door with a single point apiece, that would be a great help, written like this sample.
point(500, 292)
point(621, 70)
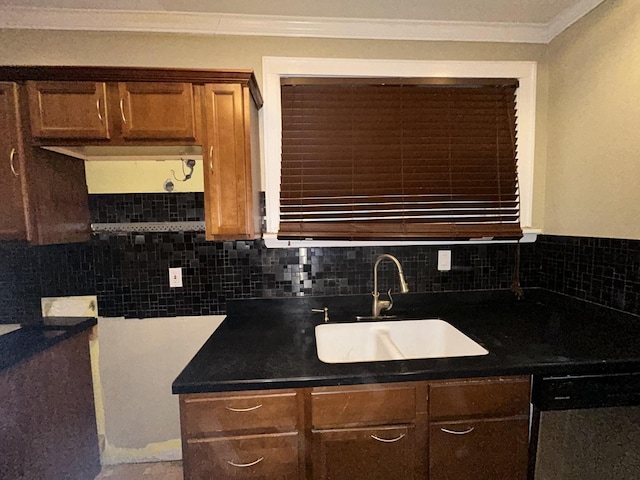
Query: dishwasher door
point(587, 427)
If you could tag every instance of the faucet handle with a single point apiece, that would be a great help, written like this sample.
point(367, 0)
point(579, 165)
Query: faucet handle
point(324, 310)
point(390, 306)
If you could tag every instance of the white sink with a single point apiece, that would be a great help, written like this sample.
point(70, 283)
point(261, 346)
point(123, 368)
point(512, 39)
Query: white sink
point(392, 340)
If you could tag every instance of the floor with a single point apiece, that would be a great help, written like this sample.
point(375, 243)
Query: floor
point(142, 471)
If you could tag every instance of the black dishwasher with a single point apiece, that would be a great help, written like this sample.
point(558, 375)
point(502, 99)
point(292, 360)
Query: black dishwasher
point(586, 427)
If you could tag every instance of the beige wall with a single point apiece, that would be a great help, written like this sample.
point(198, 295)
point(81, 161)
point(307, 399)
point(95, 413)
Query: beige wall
point(137, 360)
point(593, 160)
point(166, 50)
point(147, 176)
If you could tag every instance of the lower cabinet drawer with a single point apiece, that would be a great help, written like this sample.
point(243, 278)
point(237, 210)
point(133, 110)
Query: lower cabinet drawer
point(361, 405)
point(215, 414)
point(259, 457)
point(489, 397)
point(480, 450)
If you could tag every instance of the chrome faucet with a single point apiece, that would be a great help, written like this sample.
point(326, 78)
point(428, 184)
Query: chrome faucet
point(379, 305)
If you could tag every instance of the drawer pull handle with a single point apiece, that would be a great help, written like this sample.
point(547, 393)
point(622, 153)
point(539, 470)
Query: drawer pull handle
point(250, 409)
point(244, 465)
point(388, 440)
point(124, 119)
point(211, 158)
point(455, 432)
point(99, 112)
point(12, 157)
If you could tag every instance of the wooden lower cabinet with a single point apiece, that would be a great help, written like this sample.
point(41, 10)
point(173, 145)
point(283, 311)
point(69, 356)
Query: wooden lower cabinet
point(243, 435)
point(47, 415)
point(368, 453)
point(437, 430)
point(479, 428)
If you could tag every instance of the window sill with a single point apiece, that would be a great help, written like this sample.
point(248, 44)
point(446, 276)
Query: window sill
point(271, 241)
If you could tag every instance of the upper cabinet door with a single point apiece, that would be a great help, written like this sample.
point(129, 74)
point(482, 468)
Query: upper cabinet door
point(69, 110)
point(155, 110)
point(227, 176)
point(12, 218)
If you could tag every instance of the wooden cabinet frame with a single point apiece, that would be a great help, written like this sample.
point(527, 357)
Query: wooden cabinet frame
point(339, 424)
point(216, 109)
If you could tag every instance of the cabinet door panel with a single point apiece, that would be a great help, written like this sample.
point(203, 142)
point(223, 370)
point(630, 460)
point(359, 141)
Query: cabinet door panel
point(227, 170)
point(482, 450)
point(383, 453)
point(255, 457)
point(68, 110)
point(155, 110)
point(12, 219)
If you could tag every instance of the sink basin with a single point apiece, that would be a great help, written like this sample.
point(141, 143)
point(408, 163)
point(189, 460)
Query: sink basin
point(392, 340)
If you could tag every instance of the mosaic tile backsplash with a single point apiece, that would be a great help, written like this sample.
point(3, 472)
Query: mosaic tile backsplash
point(147, 207)
point(605, 271)
point(129, 273)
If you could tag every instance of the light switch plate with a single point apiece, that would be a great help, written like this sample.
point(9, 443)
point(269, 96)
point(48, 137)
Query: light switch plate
point(444, 260)
point(175, 277)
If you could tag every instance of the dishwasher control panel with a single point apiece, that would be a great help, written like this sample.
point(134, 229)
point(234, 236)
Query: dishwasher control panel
point(585, 391)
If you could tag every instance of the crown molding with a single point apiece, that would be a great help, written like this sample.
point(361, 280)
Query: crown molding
point(17, 17)
point(568, 17)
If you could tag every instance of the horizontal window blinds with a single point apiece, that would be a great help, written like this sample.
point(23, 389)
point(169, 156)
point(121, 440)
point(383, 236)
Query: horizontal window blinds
point(400, 160)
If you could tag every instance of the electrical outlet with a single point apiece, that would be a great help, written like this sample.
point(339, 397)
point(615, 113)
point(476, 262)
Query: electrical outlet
point(175, 277)
point(444, 260)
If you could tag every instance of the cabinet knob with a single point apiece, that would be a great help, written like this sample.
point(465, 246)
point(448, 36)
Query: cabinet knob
point(244, 465)
point(12, 156)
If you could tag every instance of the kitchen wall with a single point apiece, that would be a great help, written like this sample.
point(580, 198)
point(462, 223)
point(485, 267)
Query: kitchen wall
point(593, 165)
point(114, 176)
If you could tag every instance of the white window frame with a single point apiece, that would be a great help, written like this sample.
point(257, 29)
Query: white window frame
point(274, 68)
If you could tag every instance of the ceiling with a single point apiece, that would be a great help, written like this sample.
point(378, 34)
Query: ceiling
point(529, 21)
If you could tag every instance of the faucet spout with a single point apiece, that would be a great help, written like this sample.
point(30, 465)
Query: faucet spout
point(379, 305)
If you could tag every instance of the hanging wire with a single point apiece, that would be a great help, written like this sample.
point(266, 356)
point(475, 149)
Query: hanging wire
point(190, 164)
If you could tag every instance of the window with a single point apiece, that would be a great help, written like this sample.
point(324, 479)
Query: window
point(385, 158)
point(366, 74)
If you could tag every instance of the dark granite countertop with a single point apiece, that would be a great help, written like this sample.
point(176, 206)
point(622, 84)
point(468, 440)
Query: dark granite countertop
point(270, 343)
point(20, 345)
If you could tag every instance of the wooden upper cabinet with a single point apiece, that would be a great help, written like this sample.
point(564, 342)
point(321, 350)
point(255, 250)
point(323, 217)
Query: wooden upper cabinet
point(153, 110)
point(43, 195)
point(12, 218)
point(228, 154)
point(69, 110)
point(118, 112)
